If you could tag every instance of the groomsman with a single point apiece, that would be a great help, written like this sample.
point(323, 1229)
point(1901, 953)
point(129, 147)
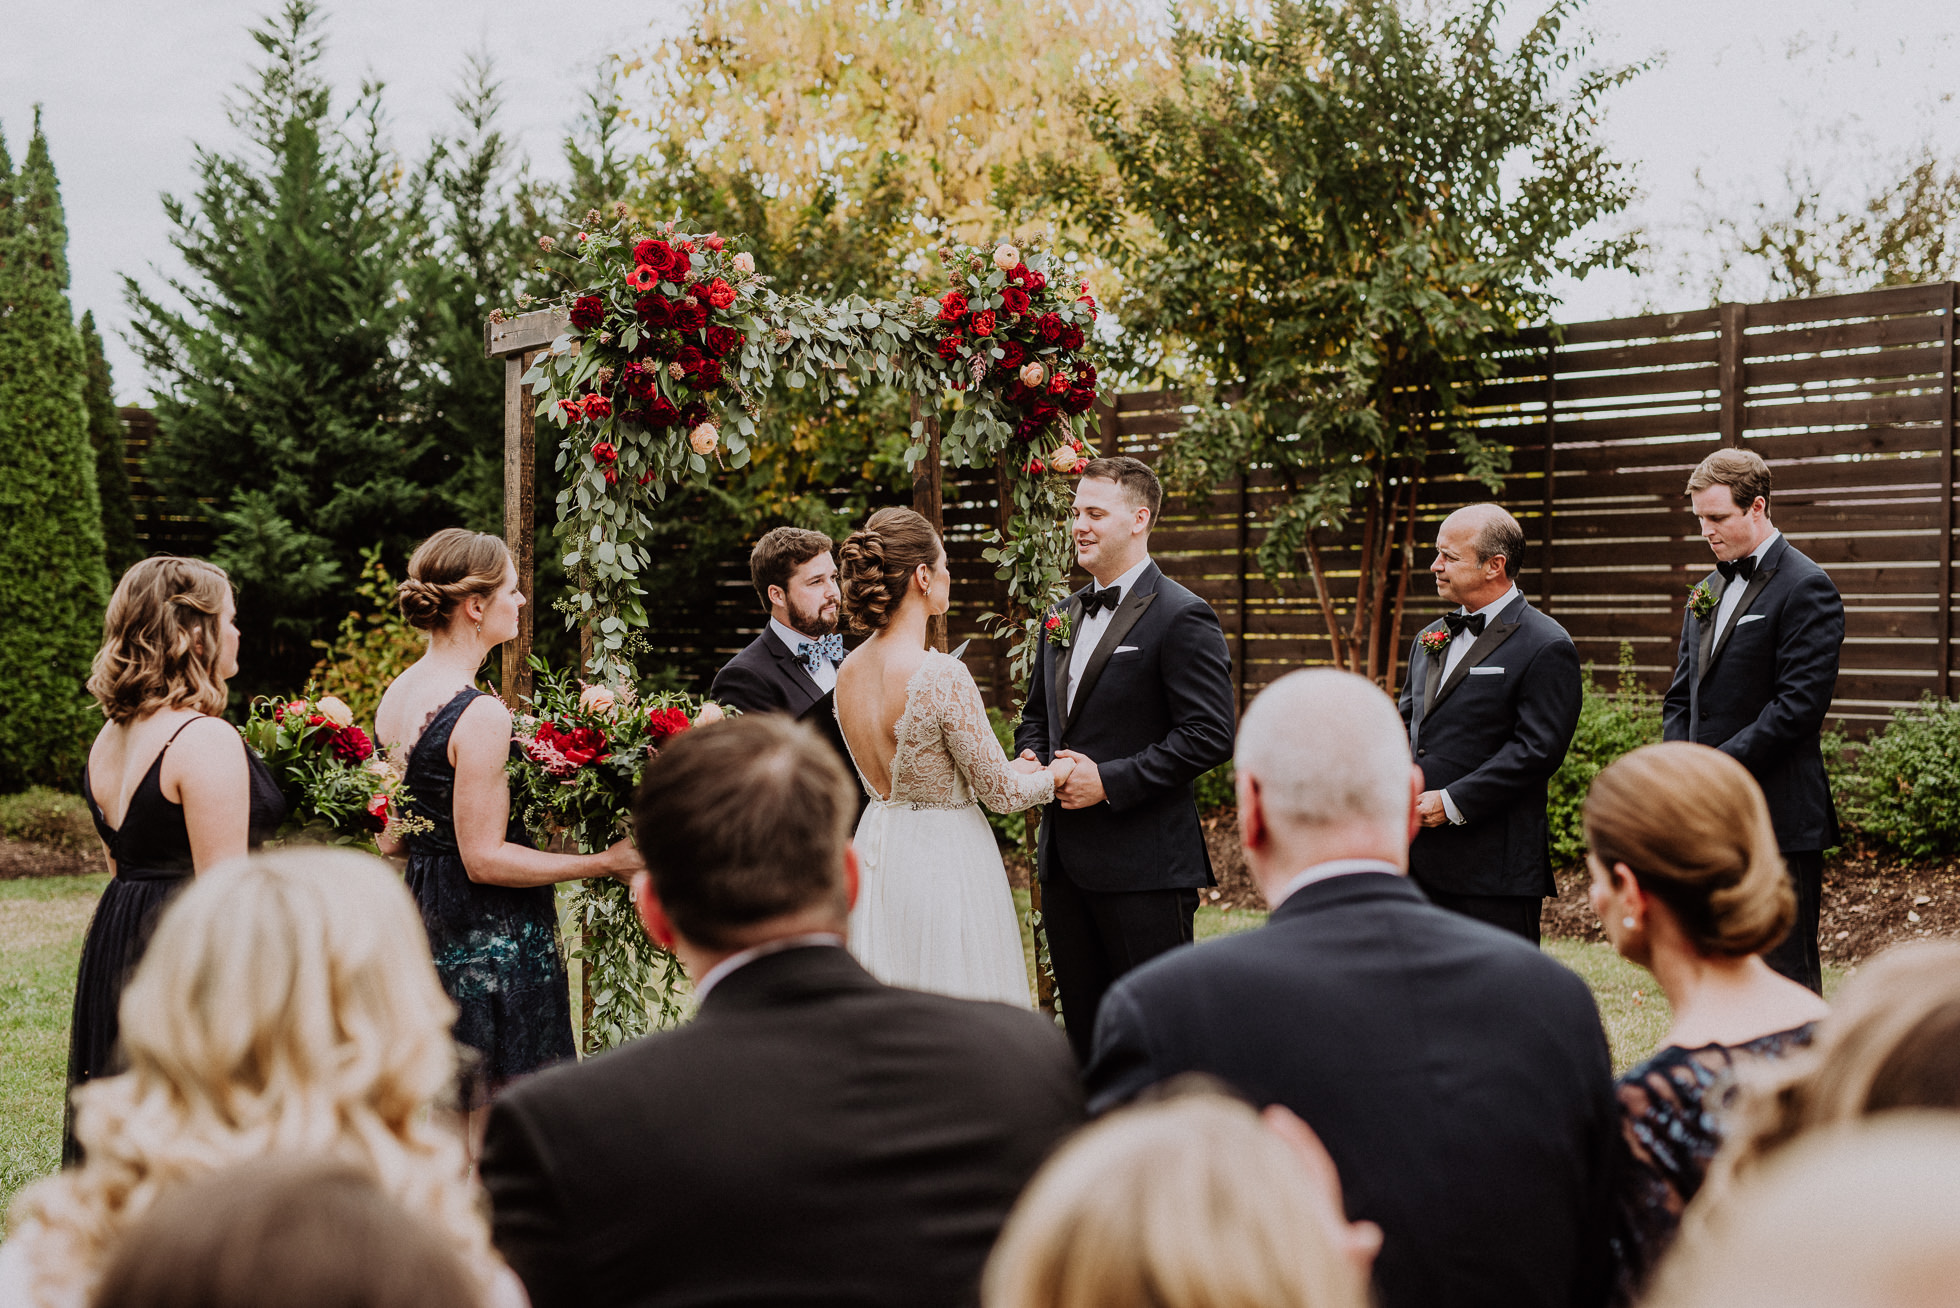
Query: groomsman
point(1757, 668)
point(793, 663)
point(1490, 703)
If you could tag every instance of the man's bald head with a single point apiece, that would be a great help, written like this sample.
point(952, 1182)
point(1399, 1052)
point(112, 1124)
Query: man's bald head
point(1478, 549)
point(1493, 532)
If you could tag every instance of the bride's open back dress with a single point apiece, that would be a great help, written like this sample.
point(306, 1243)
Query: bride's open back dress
point(934, 911)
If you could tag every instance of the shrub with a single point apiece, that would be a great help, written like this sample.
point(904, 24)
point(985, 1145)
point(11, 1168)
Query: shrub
point(1902, 786)
point(372, 647)
point(1610, 724)
point(47, 817)
point(1216, 789)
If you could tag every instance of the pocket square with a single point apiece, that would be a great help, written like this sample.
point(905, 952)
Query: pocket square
point(1487, 672)
point(1749, 617)
point(1123, 649)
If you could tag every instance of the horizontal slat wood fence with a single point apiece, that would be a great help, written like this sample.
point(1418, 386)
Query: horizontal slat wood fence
point(1850, 399)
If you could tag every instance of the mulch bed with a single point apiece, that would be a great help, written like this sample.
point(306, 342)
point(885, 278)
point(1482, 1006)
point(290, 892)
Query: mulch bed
point(1869, 902)
point(18, 858)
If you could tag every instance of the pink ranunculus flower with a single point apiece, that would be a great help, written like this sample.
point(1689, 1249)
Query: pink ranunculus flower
point(702, 439)
point(1006, 257)
point(597, 699)
point(1065, 460)
point(1033, 374)
point(743, 262)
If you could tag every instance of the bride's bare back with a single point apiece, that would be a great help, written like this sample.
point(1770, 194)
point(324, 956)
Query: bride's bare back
point(871, 694)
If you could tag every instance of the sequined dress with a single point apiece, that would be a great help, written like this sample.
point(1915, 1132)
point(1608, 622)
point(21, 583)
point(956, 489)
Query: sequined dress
point(496, 947)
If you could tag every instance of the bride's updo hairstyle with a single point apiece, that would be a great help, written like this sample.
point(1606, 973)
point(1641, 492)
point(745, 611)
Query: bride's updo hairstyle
point(449, 567)
point(877, 562)
point(160, 645)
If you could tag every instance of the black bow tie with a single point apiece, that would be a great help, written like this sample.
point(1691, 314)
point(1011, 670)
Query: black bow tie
point(1744, 568)
point(1098, 600)
point(1458, 623)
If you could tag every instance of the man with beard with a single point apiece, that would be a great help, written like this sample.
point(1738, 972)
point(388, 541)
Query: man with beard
point(793, 663)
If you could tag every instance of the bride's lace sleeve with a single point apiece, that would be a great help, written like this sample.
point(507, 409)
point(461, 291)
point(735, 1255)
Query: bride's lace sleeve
point(975, 749)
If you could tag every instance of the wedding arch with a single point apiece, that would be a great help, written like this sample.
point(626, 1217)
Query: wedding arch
point(657, 366)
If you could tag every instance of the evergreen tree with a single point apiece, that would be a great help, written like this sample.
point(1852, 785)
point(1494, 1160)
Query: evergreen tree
point(52, 582)
point(110, 439)
point(284, 377)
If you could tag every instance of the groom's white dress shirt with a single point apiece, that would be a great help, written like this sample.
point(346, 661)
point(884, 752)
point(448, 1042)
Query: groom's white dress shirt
point(1459, 646)
point(826, 674)
point(1732, 591)
point(1090, 633)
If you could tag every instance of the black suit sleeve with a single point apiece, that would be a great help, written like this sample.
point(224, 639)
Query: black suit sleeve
point(526, 1221)
point(1674, 708)
point(744, 688)
point(1032, 731)
point(1548, 712)
point(1197, 673)
point(1120, 1064)
point(1809, 633)
point(1406, 701)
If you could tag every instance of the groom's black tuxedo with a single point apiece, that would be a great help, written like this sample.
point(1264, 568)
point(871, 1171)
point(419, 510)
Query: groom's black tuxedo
point(766, 677)
point(1760, 694)
point(1492, 733)
point(1155, 710)
point(811, 1137)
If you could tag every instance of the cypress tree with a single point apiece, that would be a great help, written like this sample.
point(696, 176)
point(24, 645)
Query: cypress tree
point(53, 585)
point(110, 439)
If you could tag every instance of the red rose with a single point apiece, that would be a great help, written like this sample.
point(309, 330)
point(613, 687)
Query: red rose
point(689, 317)
point(949, 348)
point(709, 376)
point(714, 242)
point(1013, 355)
point(1030, 427)
point(1054, 622)
point(642, 278)
point(1035, 281)
point(351, 745)
point(1058, 383)
point(588, 311)
point(1014, 299)
point(578, 745)
point(690, 358)
point(718, 293)
point(1049, 325)
point(1078, 400)
point(664, 723)
point(314, 719)
point(1017, 392)
point(604, 452)
point(1071, 337)
point(611, 474)
point(654, 310)
point(1018, 273)
point(1035, 466)
point(983, 323)
point(657, 255)
point(680, 266)
point(662, 413)
point(377, 807)
point(722, 339)
point(952, 306)
point(1089, 300)
point(597, 406)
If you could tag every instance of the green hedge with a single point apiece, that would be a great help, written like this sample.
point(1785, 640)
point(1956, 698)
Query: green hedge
point(1611, 723)
point(1901, 787)
point(47, 817)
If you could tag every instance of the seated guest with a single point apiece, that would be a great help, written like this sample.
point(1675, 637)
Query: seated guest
point(1892, 1041)
point(1185, 1203)
point(284, 1233)
point(793, 663)
point(1688, 884)
point(287, 1005)
point(1458, 1076)
point(812, 1135)
point(1860, 1215)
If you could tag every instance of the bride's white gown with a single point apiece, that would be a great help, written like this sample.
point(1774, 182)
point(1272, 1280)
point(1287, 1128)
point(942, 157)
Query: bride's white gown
point(934, 911)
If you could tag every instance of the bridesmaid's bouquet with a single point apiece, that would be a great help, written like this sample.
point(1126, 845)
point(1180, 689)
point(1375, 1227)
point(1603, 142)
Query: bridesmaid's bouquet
point(579, 753)
point(329, 770)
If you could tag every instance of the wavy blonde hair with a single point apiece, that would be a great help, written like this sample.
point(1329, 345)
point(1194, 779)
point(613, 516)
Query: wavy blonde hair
point(1189, 1202)
point(160, 641)
point(286, 1005)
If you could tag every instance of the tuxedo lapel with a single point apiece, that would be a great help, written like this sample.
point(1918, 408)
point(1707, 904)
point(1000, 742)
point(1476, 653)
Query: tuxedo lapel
point(1432, 678)
point(796, 679)
point(1711, 649)
point(1705, 629)
point(1493, 635)
point(1120, 622)
point(1059, 657)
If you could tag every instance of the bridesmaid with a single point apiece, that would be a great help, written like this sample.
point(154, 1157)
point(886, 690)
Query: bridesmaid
point(484, 890)
point(173, 788)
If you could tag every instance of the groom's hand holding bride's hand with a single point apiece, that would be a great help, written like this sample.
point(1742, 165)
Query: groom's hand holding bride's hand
point(1081, 787)
point(1027, 762)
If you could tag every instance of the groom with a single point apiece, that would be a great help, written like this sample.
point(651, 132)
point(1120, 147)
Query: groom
point(793, 663)
point(1134, 683)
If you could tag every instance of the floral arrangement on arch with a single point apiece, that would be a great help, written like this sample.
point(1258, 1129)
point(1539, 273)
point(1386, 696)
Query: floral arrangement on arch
point(580, 751)
point(329, 770)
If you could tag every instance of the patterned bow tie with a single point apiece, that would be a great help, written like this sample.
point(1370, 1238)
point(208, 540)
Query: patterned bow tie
point(1097, 600)
point(1744, 568)
point(824, 649)
point(1458, 623)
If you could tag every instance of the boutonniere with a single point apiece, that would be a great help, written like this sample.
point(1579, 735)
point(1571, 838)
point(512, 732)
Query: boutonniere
point(1434, 642)
point(1702, 600)
point(1057, 628)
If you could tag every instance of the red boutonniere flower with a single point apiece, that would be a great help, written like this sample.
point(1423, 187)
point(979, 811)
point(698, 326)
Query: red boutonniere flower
point(1056, 627)
point(1702, 600)
point(1434, 642)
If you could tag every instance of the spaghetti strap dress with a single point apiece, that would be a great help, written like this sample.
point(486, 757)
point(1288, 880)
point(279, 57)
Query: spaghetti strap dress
point(152, 855)
point(496, 947)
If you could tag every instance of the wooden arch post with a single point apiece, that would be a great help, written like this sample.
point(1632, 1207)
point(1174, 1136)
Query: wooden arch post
point(517, 341)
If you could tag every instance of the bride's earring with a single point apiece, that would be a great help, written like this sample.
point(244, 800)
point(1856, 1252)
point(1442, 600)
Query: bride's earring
point(1628, 923)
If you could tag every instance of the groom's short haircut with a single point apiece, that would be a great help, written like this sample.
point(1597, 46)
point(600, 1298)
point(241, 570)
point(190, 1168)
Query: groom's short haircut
point(1742, 471)
point(1134, 476)
point(1327, 748)
point(778, 555)
point(743, 821)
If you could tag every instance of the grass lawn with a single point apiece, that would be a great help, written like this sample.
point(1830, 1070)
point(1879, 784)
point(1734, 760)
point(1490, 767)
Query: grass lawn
point(42, 922)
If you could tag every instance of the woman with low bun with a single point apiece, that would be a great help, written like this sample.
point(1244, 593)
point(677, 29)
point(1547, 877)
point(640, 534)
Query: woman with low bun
point(933, 910)
point(172, 787)
point(483, 888)
point(1688, 883)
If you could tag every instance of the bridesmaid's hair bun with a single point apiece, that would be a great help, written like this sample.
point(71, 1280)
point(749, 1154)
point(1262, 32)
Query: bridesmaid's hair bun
point(448, 568)
point(876, 564)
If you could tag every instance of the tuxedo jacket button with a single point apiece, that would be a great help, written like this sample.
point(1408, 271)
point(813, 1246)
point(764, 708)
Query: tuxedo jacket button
point(1420, 752)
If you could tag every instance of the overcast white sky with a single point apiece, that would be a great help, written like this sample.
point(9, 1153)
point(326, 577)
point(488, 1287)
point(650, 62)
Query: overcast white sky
point(1748, 87)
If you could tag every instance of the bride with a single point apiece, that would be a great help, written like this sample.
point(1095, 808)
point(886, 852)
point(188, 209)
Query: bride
point(933, 910)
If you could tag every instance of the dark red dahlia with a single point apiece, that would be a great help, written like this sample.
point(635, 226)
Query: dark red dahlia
point(351, 745)
point(588, 311)
point(690, 317)
point(709, 375)
point(655, 310)
point(1049, 327)
point(1071, 337)
point(722, 339)
point(1014, 299)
